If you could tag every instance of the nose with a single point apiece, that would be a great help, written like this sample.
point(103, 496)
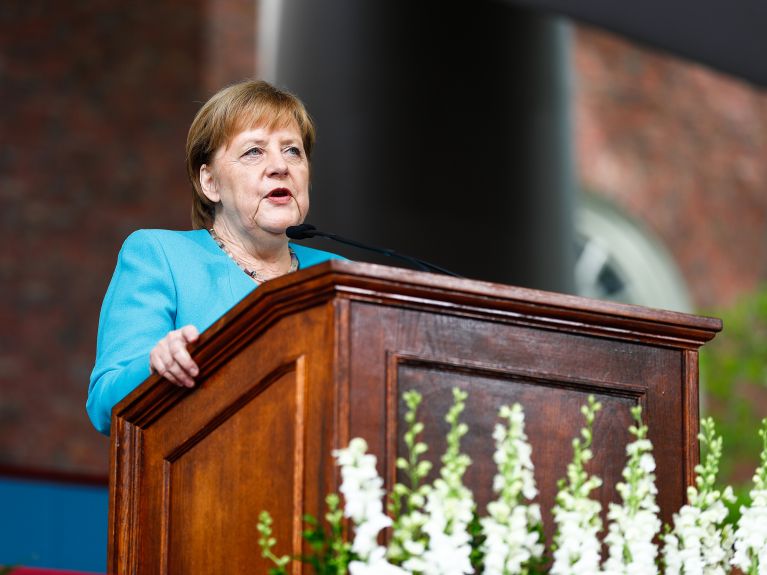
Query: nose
point(277, 165)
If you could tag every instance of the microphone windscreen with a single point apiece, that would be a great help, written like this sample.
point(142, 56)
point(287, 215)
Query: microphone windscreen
point(300, 232)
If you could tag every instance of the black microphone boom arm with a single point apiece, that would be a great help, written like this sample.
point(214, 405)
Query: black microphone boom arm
point(307, 231)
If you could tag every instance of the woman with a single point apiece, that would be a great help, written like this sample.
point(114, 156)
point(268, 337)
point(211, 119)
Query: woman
point(248, 154)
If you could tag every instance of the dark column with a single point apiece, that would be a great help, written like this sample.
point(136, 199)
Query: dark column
point(444, 131)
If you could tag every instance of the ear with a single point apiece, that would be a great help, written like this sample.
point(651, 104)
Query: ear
point(208, 184)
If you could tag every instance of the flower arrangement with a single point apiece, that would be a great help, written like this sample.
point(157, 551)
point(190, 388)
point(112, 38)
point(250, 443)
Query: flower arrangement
point(435, 528)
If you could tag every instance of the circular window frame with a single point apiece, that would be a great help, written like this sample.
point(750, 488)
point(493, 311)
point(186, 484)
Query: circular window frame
point(648, 272)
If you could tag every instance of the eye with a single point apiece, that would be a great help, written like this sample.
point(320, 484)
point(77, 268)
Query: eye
point(293, 151)
point(254, 152)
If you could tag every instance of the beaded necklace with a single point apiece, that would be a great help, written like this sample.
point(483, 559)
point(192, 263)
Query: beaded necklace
point(252, 273)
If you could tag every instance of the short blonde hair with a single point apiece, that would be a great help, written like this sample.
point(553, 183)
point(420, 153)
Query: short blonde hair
point(235, 108)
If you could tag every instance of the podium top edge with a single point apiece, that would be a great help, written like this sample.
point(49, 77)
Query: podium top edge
point(397, 279)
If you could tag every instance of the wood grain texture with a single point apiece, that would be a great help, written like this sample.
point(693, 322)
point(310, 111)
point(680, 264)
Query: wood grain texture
point(691, 415)
point(312, 359)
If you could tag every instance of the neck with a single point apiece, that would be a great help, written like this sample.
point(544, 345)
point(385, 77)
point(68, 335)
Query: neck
point(269, 256)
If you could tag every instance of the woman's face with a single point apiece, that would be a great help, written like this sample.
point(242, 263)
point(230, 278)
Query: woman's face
point(259, 181)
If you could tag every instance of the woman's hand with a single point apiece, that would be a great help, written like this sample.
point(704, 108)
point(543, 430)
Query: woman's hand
point(170, 359)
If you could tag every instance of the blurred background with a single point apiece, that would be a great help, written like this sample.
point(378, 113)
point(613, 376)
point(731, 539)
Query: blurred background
point(504, 140)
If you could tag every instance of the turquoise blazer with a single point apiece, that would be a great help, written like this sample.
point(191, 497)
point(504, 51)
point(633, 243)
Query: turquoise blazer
point(164, 280)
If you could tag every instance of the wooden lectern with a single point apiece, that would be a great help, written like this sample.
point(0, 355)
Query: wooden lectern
point(310, 360)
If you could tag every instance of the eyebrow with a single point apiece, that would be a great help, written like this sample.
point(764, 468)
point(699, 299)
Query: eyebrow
point(250, 141)
point(262, 141)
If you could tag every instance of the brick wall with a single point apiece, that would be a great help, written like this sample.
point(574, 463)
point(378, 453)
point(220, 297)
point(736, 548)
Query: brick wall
point(683, 150)
point(97, 97)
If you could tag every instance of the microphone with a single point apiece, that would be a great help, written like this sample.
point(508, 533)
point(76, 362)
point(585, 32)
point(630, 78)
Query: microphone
point(301, 232)
point(307, 231)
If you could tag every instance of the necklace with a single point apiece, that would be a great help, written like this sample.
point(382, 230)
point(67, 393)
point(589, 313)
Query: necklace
point(252, 273)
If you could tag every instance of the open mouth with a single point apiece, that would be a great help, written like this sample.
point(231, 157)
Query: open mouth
point(279, 193)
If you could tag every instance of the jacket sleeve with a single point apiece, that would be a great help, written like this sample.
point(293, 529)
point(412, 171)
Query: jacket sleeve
point(139, 309)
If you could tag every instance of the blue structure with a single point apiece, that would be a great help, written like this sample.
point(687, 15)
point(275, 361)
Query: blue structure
point(53, 525)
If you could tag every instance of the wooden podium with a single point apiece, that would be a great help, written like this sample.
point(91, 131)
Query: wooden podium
point(310, 360)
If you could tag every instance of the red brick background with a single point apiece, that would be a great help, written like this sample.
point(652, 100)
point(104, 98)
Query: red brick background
point(683, 150)
point(97, 97)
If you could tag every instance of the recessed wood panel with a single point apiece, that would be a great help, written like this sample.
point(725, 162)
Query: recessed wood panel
point(217, 485)
point(552, 420)
point(551, 372)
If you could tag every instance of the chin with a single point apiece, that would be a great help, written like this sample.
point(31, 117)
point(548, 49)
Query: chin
point(278, 223)
point(278, 228)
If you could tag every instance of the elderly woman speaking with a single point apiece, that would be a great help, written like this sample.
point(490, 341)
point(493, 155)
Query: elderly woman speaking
point(248, 154)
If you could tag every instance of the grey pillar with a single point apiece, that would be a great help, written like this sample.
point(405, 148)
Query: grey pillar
point(444, 131)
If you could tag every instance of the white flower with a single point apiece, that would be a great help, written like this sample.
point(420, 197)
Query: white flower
point(751, 535)
point(575, 514)
point(578, 549)
point(634, 524)
point(512, 529)
point(376, 564)
point(363, 489)
point(449, 508)
point(700, 543)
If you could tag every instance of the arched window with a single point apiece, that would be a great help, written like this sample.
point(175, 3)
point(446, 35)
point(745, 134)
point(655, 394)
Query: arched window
point(619, 260)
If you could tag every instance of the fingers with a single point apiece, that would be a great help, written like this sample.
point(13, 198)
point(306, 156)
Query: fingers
point(170, 358)
point(190, 333)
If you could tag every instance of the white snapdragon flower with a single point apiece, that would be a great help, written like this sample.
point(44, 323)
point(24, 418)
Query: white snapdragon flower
point(449, 510)
point(362, 489)
point(578, 546)
point(751, 534)
point(408, 499)
point(449, 507)
point(634, 524)
point(376, 564)
point(512, 529)
point(575, 514)
point(700, 543)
